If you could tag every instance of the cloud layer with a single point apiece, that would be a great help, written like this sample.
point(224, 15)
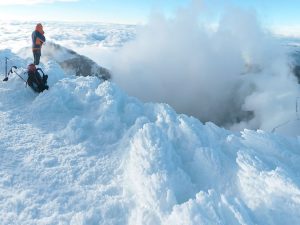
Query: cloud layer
point(236, 75)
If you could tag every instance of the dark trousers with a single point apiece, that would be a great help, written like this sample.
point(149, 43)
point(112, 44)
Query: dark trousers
point(36, 56)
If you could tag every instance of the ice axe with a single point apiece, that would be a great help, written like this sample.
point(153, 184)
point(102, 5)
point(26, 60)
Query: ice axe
point(6, 75)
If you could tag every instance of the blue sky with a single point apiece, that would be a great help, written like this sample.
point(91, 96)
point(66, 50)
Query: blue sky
point(275, 12)
point(126, 11)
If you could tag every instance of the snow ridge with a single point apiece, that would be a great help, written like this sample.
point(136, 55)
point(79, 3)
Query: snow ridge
point(86, 153)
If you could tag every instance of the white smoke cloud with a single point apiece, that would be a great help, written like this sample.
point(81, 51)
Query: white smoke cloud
point(235, 75)
point(32, 2)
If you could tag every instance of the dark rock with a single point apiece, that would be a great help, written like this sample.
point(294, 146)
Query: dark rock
point(70, 61)
point(73, 62)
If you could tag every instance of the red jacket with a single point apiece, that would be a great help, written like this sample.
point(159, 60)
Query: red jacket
point(38, 37)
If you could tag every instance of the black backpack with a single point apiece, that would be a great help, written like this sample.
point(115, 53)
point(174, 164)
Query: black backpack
point(37, 82)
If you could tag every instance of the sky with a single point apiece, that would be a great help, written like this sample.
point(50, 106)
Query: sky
point(120, 11)
point(274, 12)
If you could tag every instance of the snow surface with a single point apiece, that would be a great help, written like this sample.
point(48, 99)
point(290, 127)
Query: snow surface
point(86, 153)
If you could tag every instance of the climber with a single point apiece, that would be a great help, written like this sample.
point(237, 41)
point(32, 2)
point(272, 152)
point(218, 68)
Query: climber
point(38, 39)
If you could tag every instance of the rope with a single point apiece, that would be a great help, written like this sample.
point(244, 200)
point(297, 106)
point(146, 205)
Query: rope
point(281, 125)
point(291, 120)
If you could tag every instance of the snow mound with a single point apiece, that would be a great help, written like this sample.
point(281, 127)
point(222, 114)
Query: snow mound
point(86, 153)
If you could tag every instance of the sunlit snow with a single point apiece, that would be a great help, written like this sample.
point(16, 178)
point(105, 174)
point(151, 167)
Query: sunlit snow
point(85, 152)
point(89, 151)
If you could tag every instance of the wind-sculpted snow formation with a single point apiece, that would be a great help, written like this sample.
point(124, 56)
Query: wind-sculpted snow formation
point(86, 153)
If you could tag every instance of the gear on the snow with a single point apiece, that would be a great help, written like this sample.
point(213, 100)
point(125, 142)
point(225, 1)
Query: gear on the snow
point(34, 80)
point(37, 82)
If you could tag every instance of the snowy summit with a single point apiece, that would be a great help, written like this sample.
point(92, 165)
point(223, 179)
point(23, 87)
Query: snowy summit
point(149, 112)
point(84, 152)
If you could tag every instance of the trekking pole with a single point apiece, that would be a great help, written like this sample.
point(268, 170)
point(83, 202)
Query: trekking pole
point(21, 77)
point(6, 59)
point(11, 71)
point(6, 76)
